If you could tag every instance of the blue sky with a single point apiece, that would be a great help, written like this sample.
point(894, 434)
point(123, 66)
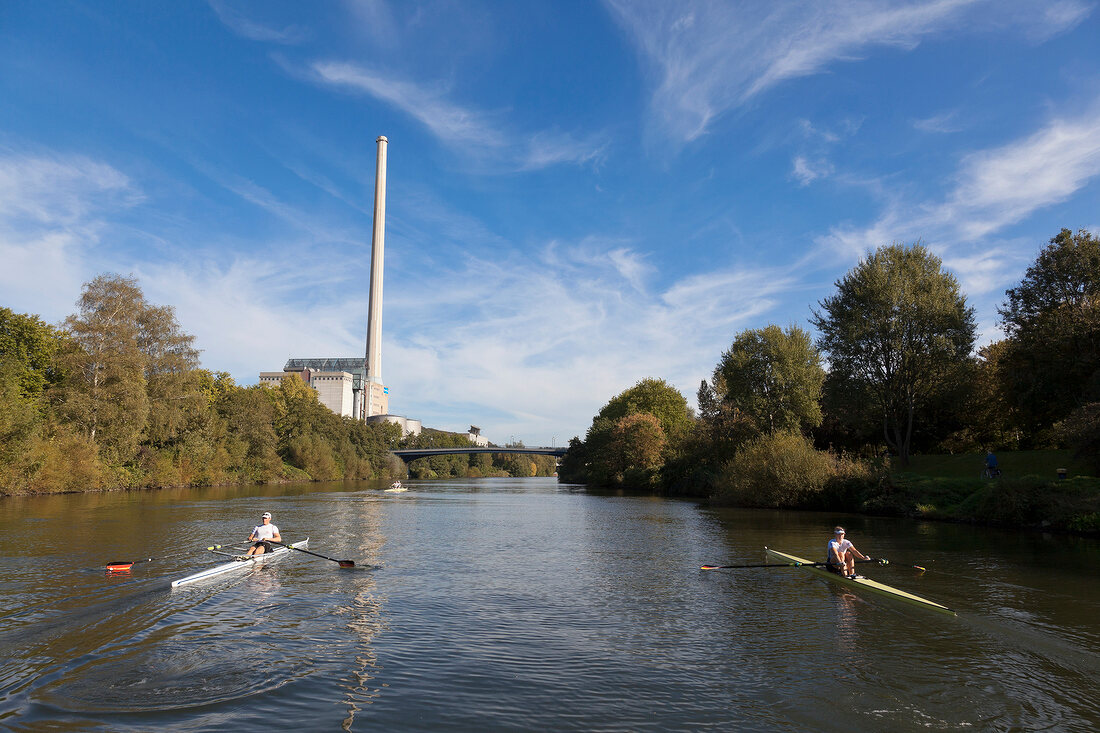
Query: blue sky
point(580, 194)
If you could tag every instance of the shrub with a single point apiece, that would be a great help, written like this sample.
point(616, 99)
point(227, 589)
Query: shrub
point(66, 462)
point(1081, 430)
point(314, 456)
point(780, 470)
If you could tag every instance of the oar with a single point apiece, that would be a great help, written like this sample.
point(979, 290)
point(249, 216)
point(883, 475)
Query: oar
point(343, 563)
point(783, 565)
point(765, 565)
point(901, 564)
point(123, 565)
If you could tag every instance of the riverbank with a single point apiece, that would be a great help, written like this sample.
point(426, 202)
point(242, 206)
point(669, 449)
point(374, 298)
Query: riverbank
point(1040, 489)
point(1028, 494)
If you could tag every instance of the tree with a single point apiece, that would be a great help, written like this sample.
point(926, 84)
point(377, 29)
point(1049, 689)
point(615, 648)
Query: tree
point(619, 450)
point(173, 387)
point(249, 415)
point(774, 377)
point(628, 451)
point(104, 395)
point(128, 368)
point(1052, 320)
point(658, 398)
point(985, 419)
point(899, 328)
point(27, 349)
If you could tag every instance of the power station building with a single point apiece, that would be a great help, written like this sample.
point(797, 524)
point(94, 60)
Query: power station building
point(353, 387)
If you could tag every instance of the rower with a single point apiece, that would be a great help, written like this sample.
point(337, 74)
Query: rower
point(842, 554)
point(260, 536)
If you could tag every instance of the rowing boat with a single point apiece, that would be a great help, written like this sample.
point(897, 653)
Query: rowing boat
point(864, 583)
point(229, 567)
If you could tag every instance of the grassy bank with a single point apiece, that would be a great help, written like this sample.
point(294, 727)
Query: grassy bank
point(1028, 493)
point(786, 472)
point(1040, 463)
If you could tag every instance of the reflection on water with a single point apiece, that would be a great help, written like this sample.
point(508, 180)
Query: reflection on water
point(519, 604)
point(365, 618)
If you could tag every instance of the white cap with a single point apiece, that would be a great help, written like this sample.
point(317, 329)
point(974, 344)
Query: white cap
point(266, 515)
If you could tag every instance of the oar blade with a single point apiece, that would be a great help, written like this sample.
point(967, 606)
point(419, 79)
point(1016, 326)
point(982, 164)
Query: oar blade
point(119, 567)
point(346, 563)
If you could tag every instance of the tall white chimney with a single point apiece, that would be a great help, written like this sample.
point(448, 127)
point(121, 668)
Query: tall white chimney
point(374, 307)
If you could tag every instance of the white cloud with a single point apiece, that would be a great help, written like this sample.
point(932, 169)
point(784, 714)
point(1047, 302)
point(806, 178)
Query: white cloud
point(250, 315)
point(807, 171)
point(245, 27)
point(708, 58)
point(992, 189)
point(545, 341)
point(944, 122)
point(1005, 185)
point(449, 122)
point(464, 129)
point(49, 189)
point(51, 219)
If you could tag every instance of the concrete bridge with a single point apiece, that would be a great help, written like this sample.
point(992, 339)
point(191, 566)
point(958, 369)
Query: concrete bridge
point(411, 454)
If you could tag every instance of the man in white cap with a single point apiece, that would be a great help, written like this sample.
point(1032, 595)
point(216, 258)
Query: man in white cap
point(260, 535)
point(842, 554)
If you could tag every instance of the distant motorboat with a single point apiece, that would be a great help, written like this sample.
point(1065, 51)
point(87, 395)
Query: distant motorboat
point(396, 486)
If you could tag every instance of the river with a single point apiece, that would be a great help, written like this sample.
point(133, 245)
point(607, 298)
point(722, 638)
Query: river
point(522, 604)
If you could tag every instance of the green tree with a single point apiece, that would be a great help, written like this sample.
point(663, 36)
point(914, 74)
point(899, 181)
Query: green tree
point(985, 419)
point(104, 396)
point(27, 349)
point(1052, 321)
point(574, 464)
point(773, 377)
point(616, 450)
point(658, 398)
point(898, 328)
point(249, 415)
point(173, 386)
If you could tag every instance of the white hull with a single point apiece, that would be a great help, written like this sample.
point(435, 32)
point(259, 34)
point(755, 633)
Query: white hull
point(229, 567)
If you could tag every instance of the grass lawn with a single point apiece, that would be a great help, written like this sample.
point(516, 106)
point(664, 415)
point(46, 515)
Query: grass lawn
point(1013, 464)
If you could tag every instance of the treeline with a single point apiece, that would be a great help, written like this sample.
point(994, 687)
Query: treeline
point(787, 421)
point(473, 465)
point(114, 398)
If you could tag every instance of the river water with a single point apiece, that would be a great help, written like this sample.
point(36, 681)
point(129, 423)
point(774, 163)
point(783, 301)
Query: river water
point(521, 604)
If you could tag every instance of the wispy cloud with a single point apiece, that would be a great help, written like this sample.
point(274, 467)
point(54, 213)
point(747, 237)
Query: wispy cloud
point(943, 122)
point(241, 24)
point(464, 129)
point(708, 58)
point(806, 171)
point(1005, 185)
point(51, 219)
point(993, 188)
point(58, 190)
point(555, 334)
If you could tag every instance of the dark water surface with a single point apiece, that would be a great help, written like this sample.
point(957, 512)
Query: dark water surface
point(519, 604)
